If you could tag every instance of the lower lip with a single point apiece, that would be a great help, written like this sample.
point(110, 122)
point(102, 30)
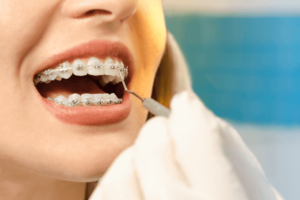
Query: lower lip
point(92, 115)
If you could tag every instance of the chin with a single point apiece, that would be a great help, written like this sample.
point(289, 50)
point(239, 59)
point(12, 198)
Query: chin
point(85, 167)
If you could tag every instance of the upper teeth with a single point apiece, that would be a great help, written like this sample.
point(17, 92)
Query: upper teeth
point(94, 66)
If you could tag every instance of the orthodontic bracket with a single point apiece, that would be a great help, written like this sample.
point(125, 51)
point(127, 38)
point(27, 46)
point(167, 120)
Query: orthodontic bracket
point(63, 69)
point(87, 102)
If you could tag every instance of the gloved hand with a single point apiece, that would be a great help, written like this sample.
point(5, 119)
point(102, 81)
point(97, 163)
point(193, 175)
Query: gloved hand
point(193, 155)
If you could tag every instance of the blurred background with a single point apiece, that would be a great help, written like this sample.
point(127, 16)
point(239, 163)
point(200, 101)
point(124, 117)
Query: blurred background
point(244, 58)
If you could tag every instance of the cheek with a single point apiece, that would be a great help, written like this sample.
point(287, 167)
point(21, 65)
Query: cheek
point(149, 34)
point(22, 23)
point(148, 26)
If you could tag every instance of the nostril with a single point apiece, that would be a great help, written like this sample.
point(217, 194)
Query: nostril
point(96, 12)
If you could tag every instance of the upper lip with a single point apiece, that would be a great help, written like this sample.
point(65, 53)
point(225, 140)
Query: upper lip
point(96, 48)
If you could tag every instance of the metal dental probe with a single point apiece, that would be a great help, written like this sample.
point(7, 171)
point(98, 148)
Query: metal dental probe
point(150, 104)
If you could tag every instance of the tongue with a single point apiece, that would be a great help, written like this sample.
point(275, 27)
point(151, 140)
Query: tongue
point(66, 87)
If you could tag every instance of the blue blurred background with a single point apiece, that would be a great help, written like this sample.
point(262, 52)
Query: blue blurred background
point(244, 59)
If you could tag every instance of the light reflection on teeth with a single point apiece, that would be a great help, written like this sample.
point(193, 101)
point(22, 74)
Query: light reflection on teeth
point(61, 100)
point(58, 78)
point(74, 99)
point(65, 70)
point(87, 100)
point(94, 67)
point(79, 68)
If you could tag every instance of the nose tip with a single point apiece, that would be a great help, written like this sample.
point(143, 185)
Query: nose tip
point(108, 10)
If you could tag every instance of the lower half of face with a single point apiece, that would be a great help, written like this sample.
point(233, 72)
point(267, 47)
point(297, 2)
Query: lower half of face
point(65, 113)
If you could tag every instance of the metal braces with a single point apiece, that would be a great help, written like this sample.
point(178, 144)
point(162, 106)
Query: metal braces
point(87, 102)
point(63, 69)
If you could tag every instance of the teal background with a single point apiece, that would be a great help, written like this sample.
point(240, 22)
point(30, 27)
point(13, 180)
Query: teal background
point(245, 69)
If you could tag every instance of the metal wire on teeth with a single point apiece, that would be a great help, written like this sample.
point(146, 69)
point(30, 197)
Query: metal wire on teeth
point(87, 102)
point(63, 69)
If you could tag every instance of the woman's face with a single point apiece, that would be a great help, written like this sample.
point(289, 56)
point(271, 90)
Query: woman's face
point(75, 143)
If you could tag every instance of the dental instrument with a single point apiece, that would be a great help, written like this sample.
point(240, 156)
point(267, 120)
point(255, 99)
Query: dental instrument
point(150, 104)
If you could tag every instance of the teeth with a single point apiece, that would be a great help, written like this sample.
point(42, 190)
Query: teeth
point(43, 78)
point(50, 74)
point(108, 79)
point(95, 67)
point(61, 100)
point(87, 100)
point(101, 81)
point(74, 99)
point(58, 78)
point(116, 80)
point(120, 65)
point(65, 70)
point(98, 99)
point(110, 67)
point(79, 68)
point(107, 99)
point(105, 79)
point(113, 96)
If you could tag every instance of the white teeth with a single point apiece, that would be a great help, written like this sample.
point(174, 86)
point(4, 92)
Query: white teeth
point(87, 99)
point(50, 74)
point(65, 70)
point(79, 68)
point(119, 65)
point(106, 79)
point(110, 67)
point(61, 100)
point(116, 80)
point(109, 71)
point(101, 81)
point(107, 99)
point(58, 78)
point(74, 99)
point(110, 78)
point(95, 67)
point(98, 99)
point(43, 78)
point(113, 96)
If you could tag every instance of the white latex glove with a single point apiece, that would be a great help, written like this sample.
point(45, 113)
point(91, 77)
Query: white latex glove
point(192, 155)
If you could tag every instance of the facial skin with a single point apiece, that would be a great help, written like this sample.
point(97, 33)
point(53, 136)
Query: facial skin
point(39, 154)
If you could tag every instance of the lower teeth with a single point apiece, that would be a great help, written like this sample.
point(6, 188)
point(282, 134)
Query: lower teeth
point(87, 100)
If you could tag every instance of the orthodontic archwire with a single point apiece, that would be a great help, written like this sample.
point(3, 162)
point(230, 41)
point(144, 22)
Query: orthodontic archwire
point(63, 69)
point(88, 102)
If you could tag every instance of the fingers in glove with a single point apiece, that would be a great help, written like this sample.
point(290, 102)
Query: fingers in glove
point(199, 149)
point(158, 173)
point(246, 165)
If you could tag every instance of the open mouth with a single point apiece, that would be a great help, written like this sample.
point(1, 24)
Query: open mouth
point(85, 82)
